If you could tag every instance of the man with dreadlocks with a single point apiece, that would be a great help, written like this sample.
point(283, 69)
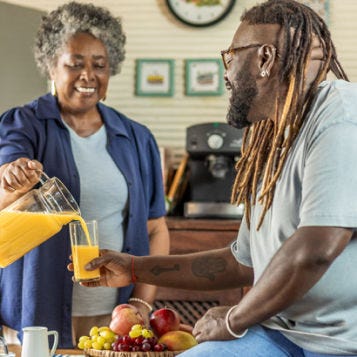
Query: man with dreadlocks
point(297, 243)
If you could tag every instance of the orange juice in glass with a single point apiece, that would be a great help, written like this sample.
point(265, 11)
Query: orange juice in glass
point(84, 243)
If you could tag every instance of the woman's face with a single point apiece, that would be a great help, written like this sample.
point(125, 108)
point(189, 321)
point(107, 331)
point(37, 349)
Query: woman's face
point(81, 73)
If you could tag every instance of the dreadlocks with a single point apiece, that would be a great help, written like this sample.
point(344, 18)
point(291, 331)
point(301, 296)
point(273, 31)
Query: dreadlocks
point(266, 143)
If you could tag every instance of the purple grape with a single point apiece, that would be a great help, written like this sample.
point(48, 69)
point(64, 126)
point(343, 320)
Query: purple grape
point(124, 347)
point(145, 347)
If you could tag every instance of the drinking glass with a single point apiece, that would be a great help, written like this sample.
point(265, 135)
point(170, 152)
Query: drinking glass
point(84, 243)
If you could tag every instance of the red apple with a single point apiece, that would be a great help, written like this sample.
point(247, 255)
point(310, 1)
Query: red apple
point(123, 306)
point(164, 320)
point(124, 316)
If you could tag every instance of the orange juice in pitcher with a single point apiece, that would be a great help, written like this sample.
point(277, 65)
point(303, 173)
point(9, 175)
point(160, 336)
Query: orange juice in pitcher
point(35, 217)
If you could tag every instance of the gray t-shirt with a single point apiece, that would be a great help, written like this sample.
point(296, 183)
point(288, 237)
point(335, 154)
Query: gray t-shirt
point(318, 187)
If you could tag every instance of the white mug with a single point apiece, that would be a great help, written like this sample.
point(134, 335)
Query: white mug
point(35, 342)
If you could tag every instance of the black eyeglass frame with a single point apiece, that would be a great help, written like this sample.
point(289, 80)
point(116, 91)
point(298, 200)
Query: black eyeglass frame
point(236, 49)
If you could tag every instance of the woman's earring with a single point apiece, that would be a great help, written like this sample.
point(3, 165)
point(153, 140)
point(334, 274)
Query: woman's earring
point(104, 98)
point(53, 88)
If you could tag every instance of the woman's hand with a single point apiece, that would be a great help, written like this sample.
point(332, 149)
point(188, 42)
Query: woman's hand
point(115, 269)
point(20, 175)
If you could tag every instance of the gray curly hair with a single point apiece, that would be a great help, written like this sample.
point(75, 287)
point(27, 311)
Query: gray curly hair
point(71, 18)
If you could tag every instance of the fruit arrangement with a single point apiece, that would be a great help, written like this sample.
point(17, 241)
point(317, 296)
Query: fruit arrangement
point(127, 332)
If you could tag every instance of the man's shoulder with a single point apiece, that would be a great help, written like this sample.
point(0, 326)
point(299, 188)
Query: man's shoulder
point(336, 102)
point(338, 90)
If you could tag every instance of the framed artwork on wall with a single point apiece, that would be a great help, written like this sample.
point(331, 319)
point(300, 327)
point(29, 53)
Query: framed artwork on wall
point(154, 77)
point(204, 77)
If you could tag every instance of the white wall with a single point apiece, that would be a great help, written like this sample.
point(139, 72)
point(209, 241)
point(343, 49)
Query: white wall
point(19, 79)
point(152, 32)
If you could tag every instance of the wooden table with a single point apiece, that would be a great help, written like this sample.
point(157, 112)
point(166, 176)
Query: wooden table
point(17, 350)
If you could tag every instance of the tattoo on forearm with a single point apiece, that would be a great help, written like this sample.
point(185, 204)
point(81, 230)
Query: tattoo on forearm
point(208, 268)
point(157, 270)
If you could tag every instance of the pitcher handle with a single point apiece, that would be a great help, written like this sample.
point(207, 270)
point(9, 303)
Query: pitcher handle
point(55, 341)
point(2, 339)
point(43, 177)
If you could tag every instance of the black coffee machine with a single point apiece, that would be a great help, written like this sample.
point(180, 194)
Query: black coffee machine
point(213, 149)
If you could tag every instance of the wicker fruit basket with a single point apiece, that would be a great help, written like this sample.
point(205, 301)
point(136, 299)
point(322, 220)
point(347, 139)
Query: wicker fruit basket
point(97, 353)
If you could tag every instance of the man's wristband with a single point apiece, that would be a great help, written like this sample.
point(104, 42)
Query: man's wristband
point(133, 276)
point(229, 328)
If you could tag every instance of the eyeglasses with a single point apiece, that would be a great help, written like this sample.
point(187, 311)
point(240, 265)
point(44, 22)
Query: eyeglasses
point(227, 55)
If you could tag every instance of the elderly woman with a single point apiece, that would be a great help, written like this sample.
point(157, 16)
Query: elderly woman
point(110, 164)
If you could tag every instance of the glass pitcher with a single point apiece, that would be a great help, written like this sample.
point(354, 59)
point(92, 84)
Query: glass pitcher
point(35, 217)
point(4, 352)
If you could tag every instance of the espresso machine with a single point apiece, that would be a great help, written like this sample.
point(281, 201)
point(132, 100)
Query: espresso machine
point(213, 150)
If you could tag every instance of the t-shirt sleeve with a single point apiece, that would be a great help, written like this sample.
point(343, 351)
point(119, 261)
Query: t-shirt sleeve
point(329, 189)
point(241, 246)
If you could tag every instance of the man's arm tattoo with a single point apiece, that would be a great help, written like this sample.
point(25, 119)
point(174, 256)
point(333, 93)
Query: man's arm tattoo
point(157, 270)
point(208, 268)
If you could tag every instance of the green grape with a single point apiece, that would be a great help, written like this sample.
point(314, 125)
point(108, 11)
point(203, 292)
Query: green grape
point(147, 333)
point(135, 333)
point(137, 327)
point(93, 331)
point(88, 344)
point(108, 335)
point(101, 340)
point(83, 338)
point(81, 345)
point(97, 346)
point(107, 346)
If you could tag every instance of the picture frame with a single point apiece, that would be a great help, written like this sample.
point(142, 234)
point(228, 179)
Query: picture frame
point(154, 77)
point(204, 77)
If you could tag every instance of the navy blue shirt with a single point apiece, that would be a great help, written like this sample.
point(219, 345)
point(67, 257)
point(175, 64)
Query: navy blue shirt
point(37, 289)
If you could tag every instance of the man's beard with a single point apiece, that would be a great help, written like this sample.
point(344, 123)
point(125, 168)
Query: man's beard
point(244, 90)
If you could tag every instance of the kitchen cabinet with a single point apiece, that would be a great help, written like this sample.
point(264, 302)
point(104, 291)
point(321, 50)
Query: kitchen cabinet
point(194, 235)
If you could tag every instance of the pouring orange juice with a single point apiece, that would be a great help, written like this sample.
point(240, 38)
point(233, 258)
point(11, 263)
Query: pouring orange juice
point(34, 218)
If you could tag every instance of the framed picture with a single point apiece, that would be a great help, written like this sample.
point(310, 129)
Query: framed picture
point(204, 77)
point(155, 77)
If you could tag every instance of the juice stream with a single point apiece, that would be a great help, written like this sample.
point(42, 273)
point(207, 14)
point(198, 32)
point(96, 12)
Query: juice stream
point(22, 231)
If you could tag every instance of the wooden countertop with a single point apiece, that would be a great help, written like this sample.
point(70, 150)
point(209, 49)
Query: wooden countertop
point(181, 223)
point(17, 350)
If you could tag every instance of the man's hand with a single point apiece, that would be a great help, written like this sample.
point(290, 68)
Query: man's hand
point(212, 325)
point(115, 269)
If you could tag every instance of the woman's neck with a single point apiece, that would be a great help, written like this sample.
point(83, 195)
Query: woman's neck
point(84, 124)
